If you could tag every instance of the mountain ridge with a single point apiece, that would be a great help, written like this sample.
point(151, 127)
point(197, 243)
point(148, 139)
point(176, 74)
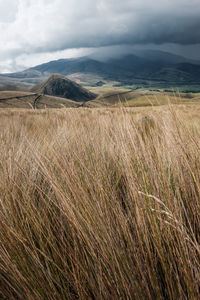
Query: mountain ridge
point(148, 65)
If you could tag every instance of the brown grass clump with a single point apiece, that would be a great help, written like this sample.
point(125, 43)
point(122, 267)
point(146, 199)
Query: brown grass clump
point(100, 204)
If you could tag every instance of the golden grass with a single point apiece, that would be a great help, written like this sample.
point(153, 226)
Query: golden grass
point(26, 100)
point(157, 100)
point(115, 97)
point(100, 203)
point(141, 98)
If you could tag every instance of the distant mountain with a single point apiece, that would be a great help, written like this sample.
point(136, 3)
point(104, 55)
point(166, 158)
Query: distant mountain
point(145, 66)
point(181, 73)
point(69, 66)
point(79, 65)
point(165, 57)
point(59, 86)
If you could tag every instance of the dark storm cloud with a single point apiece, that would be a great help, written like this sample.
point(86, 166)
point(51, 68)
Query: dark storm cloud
point(36, 26)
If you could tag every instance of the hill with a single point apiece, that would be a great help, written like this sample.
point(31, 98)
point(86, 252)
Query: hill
point(59, 86)
point(27, 100)
point(142, 98)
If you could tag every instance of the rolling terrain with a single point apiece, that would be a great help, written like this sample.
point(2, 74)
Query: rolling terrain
point(107, 98)
point(55, 92)
point(145, 69)
point(141, 98)
point(13, 99)
point(140, 79)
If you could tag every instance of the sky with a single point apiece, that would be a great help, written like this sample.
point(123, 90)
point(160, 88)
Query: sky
point(37, 31)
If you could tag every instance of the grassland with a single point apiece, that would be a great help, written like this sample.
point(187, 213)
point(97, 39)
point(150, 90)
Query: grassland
point(108, 96)
point(141, 98)
point(100, 203)
point(29, 100)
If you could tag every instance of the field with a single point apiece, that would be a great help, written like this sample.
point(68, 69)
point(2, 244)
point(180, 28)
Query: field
point(142, 98)
point(100, 203)
point(108, 96)
point(29, 100)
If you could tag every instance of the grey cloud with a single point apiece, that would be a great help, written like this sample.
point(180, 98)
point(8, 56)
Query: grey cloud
point(36, 26)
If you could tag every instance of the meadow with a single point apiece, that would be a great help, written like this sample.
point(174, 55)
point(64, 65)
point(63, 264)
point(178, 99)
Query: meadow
point(100, 203)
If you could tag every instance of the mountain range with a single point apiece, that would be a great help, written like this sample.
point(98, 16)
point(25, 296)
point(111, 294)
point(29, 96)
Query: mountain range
point(142, 67)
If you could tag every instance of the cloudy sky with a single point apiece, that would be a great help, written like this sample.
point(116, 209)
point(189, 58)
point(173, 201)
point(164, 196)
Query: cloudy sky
point(36, 31)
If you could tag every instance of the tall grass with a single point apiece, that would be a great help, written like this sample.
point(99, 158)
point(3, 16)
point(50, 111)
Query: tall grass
point(99, 204)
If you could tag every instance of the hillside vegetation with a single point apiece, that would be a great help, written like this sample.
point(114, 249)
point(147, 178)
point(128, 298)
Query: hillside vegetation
point(60, 86)
point(100, 203)
point(108, 97)
point(55, 92)
point(13, 99)
point(149, 68)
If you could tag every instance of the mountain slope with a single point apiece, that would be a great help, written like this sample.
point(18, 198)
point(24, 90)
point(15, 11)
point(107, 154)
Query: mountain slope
point(165, 57)
point(150, 65)
point(144, 66)
point(27, 100)
point(141, 64)
point(59, 86)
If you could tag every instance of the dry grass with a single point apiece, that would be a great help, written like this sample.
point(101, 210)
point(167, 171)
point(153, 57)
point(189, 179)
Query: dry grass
point(26, 100)
point(142, 98)
point(100, 203)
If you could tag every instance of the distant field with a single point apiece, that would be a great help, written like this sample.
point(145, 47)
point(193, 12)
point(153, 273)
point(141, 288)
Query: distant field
point(100, 203)
point(108, 96)
point(161, 98)
point(16, 99)
point(139, 98)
